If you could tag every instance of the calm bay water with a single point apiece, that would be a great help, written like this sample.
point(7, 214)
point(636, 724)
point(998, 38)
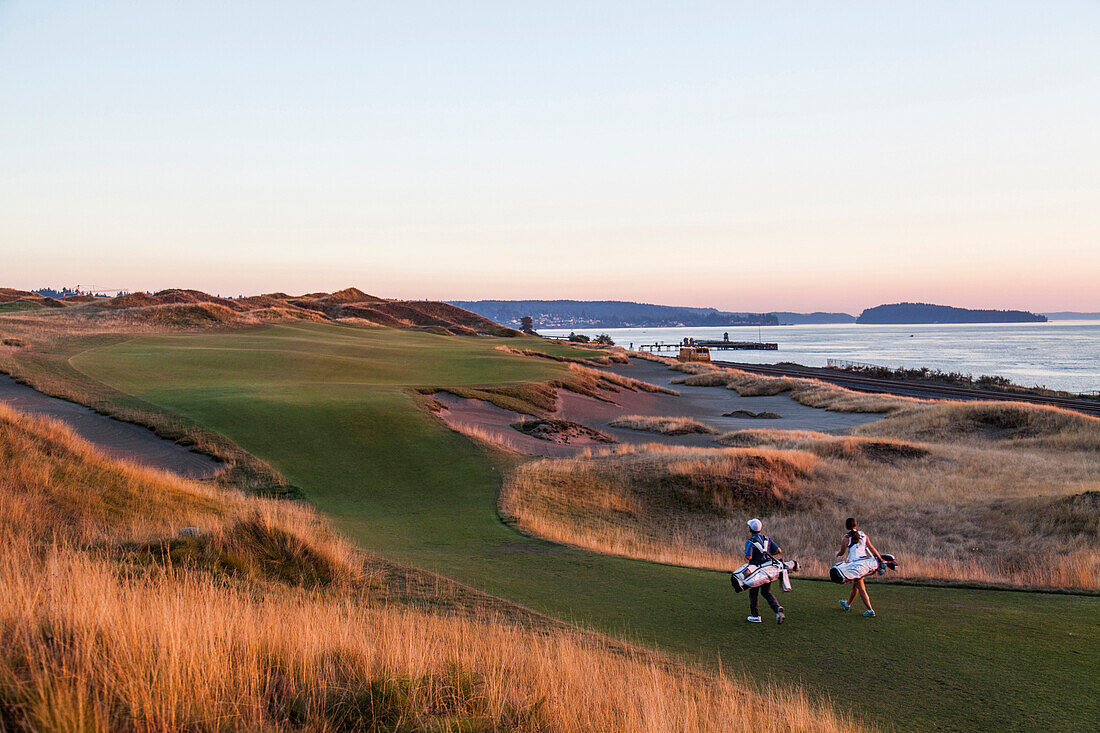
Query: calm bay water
point(1058, 354)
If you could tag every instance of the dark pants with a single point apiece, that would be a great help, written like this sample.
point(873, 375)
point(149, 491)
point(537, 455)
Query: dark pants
point(766, 591)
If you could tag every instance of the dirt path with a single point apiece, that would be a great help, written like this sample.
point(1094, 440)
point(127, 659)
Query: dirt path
point(116, 438)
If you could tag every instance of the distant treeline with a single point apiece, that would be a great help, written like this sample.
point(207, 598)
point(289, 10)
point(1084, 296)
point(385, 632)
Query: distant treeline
point(928, 313)
point(607, 314)
point(625, 314)
point(795, 319)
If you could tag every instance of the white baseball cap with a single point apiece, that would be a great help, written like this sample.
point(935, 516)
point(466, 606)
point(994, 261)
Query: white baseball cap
point(755, 525)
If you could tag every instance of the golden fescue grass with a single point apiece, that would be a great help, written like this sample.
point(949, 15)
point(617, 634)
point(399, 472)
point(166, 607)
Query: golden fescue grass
point(663, 425)
point(827, 446)
point(56, 487)
point(653, 502)
point(45, 327)
point(809, 392)
point(486, 437)
point(584, 356)
point(99, 632)
point(978, 513)
point(541, 398)
point(609, 381)
point(100, 651)
point(1023, 425)
point(42, 361)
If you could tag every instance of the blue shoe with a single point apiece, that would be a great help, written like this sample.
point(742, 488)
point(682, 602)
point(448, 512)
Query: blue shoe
point(844, 605)
point(869, 614)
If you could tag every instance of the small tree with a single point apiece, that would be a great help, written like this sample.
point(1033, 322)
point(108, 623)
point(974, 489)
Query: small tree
point(527, 325)
point(604, 339)
point(578, 338)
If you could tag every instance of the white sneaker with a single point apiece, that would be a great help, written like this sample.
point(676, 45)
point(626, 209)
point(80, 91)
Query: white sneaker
point(754, 619)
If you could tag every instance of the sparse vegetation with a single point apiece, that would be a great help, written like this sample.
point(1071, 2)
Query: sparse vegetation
point(663, 425)
point(575, 355)
point(561, 431)
point(541, 398)
point(765, 415)
point(809, 392)
point(192, 309)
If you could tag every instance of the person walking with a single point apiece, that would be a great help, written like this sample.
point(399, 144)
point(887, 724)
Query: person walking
point(857, 546)
point(758, 548)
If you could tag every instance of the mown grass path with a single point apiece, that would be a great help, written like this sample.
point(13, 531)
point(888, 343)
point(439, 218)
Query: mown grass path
point(328, 406)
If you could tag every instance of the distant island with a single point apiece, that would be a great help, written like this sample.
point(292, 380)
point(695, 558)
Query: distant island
point(1073, 316)
point(928, 313)
point(607, 314)
point(786, 318)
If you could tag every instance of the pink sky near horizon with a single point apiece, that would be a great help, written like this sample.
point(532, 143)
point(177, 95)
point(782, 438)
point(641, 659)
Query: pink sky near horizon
point(774, 290)
point(727, 154)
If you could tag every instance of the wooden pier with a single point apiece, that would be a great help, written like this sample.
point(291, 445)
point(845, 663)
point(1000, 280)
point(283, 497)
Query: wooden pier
point(719, 345)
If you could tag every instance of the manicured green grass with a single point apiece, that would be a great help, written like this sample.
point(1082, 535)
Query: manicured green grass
point(328, 406)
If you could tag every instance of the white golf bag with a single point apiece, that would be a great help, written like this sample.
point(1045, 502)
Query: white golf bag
point(852, 570)
point(752, 576)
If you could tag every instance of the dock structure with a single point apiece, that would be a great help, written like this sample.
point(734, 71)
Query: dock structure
point(717, 344)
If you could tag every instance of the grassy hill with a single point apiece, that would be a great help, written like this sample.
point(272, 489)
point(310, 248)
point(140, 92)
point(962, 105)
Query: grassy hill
point(261, 619)
point(182, 309)
point(330, 407)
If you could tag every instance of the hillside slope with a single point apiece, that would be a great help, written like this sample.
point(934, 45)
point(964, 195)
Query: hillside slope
point(262, 619)
point(182, 308)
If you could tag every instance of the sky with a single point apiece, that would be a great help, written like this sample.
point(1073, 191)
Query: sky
point(742, 155)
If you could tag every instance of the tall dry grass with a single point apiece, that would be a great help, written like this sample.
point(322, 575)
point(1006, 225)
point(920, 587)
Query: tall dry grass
point(662, 425)
point(977, 513)
point(85, 647)
point(610, 380)
point(100, 631)
point(1016, 423)
point(653, 502)
point(809, 392)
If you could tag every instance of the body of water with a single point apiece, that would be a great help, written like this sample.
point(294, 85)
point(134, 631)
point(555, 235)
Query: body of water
point(1061, 355)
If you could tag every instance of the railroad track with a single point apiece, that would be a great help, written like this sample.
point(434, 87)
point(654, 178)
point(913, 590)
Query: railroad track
point(912, 389)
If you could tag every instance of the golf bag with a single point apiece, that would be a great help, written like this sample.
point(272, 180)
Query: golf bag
point(851, 570)
point(752, 576)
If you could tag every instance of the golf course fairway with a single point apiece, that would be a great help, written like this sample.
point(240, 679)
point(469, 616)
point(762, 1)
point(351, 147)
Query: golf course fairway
point(329, 406)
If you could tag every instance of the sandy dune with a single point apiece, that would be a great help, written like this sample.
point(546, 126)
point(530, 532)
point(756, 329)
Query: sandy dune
point(706, 404)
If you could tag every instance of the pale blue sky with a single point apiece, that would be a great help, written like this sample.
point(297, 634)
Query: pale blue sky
point(751, 156)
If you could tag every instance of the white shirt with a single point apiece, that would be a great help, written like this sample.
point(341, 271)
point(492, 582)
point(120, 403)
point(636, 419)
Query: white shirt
point(857, 551)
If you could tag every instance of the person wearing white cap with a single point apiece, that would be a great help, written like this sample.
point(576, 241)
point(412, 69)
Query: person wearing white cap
point(757, 549)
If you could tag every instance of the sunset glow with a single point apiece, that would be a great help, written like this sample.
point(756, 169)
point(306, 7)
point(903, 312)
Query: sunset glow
point(728, 154)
